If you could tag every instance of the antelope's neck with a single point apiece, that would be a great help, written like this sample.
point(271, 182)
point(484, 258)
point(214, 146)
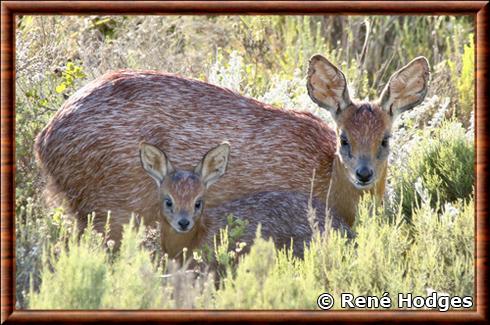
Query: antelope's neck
point(344, 196)
point(173, 243)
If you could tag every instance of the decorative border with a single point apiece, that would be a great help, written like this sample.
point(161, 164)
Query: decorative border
point(479, 9)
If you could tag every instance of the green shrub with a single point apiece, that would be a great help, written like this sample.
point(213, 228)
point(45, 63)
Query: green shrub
point(73, 277)
point(133, 280)
point(434, 252)
point(441, 256)
point(466, 79)
point(268, 278)
point(37, 231)
point(441, 162)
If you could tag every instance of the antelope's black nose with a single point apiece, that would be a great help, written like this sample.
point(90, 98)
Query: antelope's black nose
point(183, 223)
point(364, 174)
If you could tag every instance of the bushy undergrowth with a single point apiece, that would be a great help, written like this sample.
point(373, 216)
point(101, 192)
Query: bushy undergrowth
point(422, 240)
point(440, 167)
point(433, 253)
point(79, 285)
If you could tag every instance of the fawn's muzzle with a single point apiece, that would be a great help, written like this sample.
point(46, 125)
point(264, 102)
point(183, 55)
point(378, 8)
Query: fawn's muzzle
point(364, 174)
point(183, 224)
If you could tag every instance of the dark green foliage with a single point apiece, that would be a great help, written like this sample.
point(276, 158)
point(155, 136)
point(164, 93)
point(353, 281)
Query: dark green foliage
point(440, 167)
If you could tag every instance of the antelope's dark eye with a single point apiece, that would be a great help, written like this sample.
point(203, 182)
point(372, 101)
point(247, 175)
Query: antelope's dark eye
point(168, 203)
point(343, 141)
point(385, 142)
point(198, 204)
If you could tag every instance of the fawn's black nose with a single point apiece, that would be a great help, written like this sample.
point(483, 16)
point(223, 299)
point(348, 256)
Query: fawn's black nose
point(364, 174)
point(183, 223)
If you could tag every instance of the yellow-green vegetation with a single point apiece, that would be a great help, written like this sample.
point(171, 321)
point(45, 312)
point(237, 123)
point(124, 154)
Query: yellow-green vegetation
point(435, 251)
point(420, 240)
point(441, 168)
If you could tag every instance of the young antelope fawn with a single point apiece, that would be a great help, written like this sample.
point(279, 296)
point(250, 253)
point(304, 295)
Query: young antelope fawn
point(88, 149)
point(185, 223)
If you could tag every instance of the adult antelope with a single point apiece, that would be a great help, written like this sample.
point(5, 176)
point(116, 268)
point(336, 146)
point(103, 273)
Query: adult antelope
point(88, 150)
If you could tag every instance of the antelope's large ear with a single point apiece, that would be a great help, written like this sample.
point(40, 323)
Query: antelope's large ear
point(327, 86)
point(213, 164)
point(155, 162)
point(407, 87)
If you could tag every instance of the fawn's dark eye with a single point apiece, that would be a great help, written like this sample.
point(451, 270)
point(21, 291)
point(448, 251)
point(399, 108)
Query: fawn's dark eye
point(343, 141)
point(385, 142)
point(198, 204)
point(168, 203)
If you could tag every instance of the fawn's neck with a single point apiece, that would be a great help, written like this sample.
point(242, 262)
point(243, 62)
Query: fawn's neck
point(173, 242)
point(344, 196)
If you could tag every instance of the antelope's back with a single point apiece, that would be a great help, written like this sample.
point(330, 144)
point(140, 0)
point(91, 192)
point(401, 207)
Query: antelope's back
point(89, 150)
point(283, 216)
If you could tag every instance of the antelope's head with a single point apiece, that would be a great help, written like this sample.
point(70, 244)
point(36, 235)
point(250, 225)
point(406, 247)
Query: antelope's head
point(182, 193)
point(364, 129)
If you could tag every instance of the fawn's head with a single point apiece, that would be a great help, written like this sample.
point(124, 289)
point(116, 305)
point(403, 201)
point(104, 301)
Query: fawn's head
point(181, 193)
point(364, 129)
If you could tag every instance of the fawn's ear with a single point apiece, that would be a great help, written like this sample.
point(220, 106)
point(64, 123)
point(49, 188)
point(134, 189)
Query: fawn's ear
point(407, 87)
point(213, 164)
point(327, 86)
point(155, 162)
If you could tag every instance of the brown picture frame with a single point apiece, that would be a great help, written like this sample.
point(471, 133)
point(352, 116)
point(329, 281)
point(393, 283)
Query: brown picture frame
point(9, 9)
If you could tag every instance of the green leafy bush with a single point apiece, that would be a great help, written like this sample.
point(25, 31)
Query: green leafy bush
point(465, 79)
point(435, 252)
point(440, 167)
point(79, 277)
point(133, 280)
